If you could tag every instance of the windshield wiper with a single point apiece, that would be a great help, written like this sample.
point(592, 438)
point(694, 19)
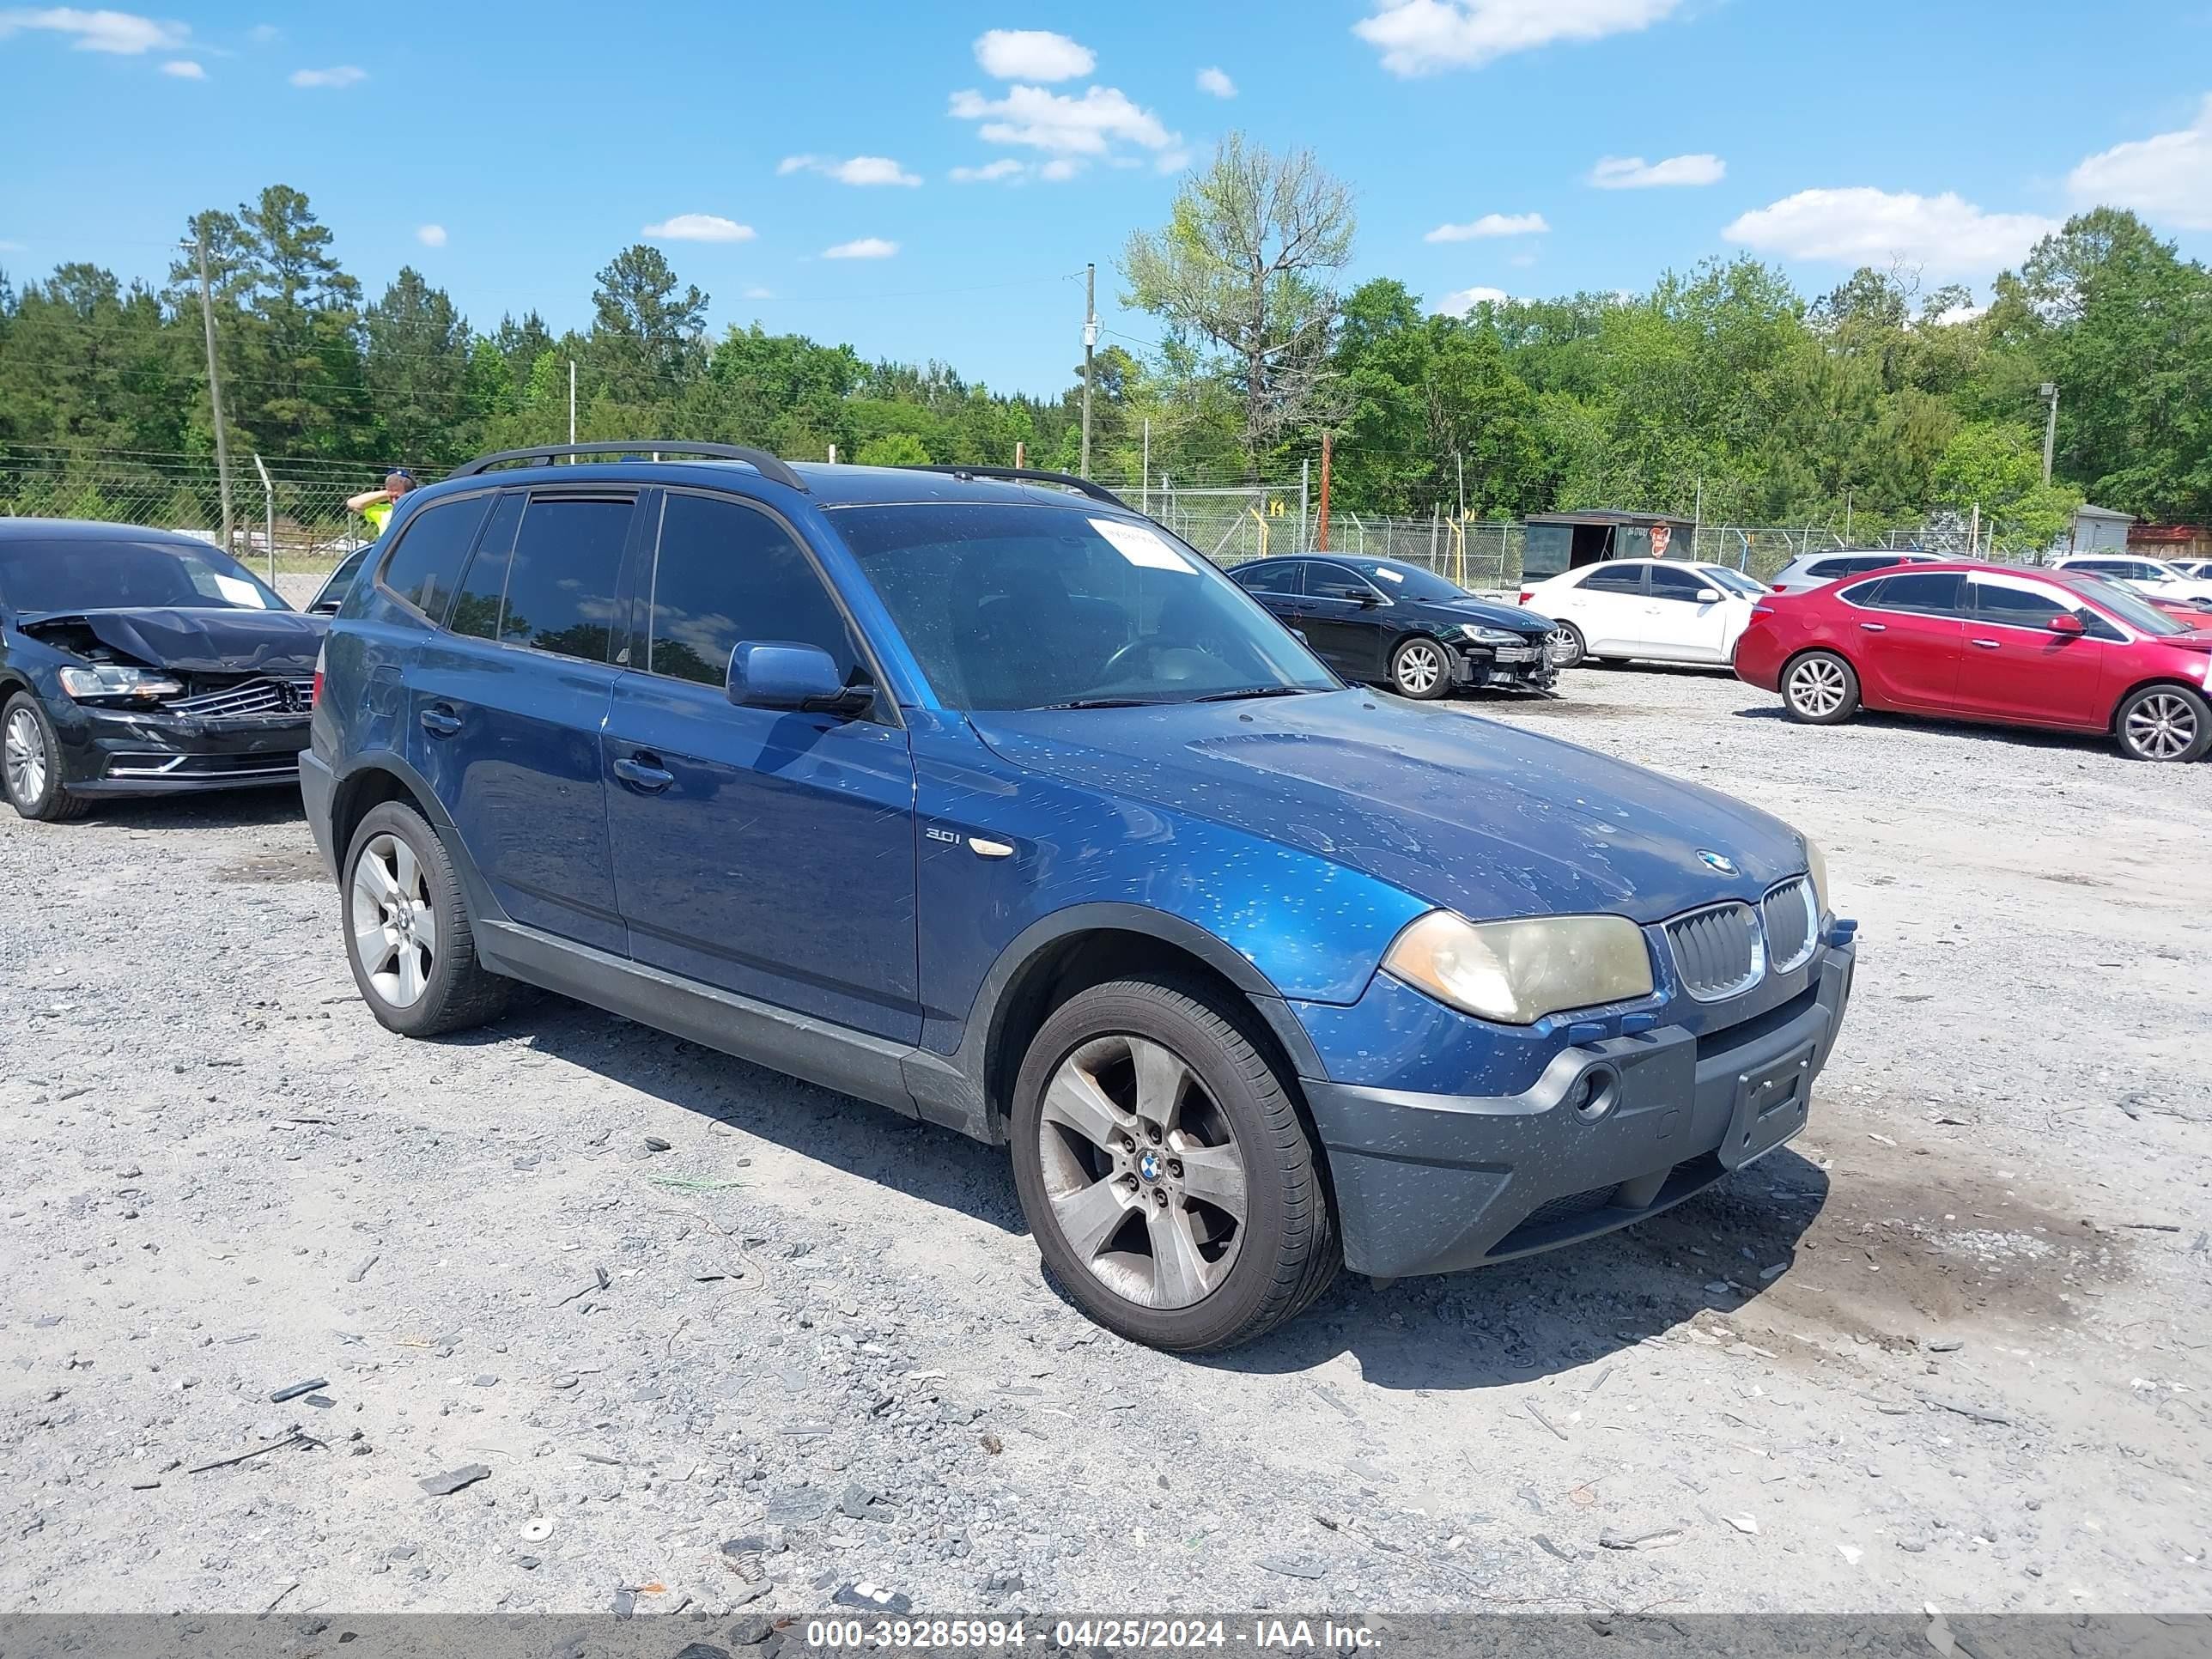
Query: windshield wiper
point(1243, 692)
point(1098, 702)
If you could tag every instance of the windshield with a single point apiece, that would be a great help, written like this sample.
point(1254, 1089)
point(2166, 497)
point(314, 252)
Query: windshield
point(1039, 607)
point(41, 578)
point(1736, 580)
point(2130, 606)
point(1407, 582)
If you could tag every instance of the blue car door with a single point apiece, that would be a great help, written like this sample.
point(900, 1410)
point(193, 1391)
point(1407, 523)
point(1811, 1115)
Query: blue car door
point(508, 702)
point(762, 851)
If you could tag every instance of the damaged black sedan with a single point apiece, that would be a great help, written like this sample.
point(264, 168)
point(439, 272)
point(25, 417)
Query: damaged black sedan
point(142, 662)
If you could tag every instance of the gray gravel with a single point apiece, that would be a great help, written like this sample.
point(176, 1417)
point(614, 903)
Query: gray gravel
point(1949, 1348)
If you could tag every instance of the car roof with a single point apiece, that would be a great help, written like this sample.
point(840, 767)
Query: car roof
point(828, 484)
point(95, 530)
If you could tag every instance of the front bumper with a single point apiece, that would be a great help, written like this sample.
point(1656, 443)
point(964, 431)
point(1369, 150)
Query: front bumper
point(1476, 666)
point(1611, 1132)
point(136, 752)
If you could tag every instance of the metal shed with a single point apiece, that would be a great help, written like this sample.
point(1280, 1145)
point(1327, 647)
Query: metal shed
point(1567, 541)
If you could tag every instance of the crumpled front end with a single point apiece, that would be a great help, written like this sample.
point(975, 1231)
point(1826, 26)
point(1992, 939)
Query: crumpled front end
point(221, 731)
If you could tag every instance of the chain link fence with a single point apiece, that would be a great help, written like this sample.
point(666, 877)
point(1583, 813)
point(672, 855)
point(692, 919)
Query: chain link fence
point(289, 517)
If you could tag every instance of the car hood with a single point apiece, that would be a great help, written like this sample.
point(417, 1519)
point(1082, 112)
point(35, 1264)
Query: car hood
point(1482, 819)
point(195, 642)
point(1487, 615)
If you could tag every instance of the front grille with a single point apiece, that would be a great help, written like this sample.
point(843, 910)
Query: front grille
point(1792, 929)
point(1719, 953)
point(247, 699)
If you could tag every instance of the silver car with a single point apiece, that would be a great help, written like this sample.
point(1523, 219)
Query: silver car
point(1810, 570)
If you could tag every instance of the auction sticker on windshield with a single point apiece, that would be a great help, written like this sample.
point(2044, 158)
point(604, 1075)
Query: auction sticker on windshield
point(1140, 546)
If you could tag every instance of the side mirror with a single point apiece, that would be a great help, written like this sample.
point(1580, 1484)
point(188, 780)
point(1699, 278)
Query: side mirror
point(1709, 596)
point(1367, 599)
point(2065, 623)
point(776, 674)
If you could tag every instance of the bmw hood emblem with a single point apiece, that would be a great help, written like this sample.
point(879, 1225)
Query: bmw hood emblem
point(1149, 1166)
point(1719, 861)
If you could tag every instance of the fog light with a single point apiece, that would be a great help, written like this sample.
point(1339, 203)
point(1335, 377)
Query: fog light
point(1595, 1094)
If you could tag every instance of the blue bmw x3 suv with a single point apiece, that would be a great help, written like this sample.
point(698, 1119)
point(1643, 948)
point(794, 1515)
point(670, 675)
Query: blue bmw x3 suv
point(980, 796)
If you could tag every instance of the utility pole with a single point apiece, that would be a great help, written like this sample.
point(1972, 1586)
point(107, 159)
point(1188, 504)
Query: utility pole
point(572, 405)
point(1320, 534)
point(269, 509)
point(1145, 483)
point(1090, 344)
point(215, 391)
point(1305, 524)
point(2050, 430)
point(1021, 454)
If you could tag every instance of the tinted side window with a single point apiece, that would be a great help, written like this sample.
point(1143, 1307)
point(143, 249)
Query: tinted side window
point(727, 573)
point(1825, 568)
point(340, 582)
point(1334, 581)
point(1934, 595)
point(1272, 579)
point(561, 582)
point(2016, 606)
point(1671, 584)
point(476, 607)
point(1615, 579)
point(425, 566)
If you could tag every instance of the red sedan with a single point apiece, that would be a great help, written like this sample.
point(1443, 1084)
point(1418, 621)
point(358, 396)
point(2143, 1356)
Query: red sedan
point(2063, 650)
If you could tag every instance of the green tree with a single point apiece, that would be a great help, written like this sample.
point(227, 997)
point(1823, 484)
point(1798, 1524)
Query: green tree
point(893, 449)
point(646, 333)
point(418, 363)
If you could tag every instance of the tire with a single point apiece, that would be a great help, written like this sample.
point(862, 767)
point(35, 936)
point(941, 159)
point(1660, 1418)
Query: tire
point(1820, 689)
point(2163, 723)
point(1568, 647)
point(1420, 668)
point(1101, 1212)
point(31, 765)
point(419, 981)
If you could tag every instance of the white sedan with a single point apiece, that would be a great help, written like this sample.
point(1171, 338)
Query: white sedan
point(2154, 577)
point(1659, 609)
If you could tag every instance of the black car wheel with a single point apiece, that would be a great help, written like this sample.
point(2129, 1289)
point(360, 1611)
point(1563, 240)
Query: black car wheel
point(1160, 1160)
point(31, 764)
point(407, 933)
point(2164, 723)
point(1420, 668)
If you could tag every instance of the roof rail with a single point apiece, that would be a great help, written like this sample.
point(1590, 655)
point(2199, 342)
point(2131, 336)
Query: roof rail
point(1097, 492)
point(762, 462)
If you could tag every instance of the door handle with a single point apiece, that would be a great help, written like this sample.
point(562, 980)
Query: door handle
point(1986, 645)
point(1875, 628)
point(440, 720)
point(644, 772)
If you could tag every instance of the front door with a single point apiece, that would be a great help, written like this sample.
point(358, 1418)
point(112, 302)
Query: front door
point(2016, 668)
point(1608, 606)
point(1690, 619)
point(505, 709)
point(765, 852)
point(1344, 620)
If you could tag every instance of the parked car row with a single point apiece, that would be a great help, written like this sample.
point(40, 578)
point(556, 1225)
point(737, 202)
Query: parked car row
point(980, 796)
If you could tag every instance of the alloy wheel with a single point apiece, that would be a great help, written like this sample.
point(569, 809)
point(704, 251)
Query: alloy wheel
point(1143, 1172)
point(2162, 727)
point(1420, 667)
point(25, 748)
point(1562, 644)
point(394, 922)
point(1817, 687)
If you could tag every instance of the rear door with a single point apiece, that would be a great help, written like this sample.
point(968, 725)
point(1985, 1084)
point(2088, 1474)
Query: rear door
point(508, 705)
point(2017, 670)
point(1608, 606)
point(1278, 585)
point(1345, 619)
point(767, 852)
point(1910, 636)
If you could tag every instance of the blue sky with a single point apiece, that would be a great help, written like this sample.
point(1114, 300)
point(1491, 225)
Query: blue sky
point(927, 180)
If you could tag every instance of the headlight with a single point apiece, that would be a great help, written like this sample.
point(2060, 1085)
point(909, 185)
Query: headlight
point(110, 679)
point(1516, 972)
point(1816, 866)
point(1481, 635)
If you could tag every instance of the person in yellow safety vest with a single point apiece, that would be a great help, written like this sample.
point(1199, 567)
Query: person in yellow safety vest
point(376, 505)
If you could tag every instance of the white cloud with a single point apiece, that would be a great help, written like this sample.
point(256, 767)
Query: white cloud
point(1032, 54)
point(1059, 169)
point(1420, 37)
point(124, 33)
point(184, 69)
point(867, 247)
point(991, 173)
point(1634, 173)
point(1490, 225)
point(430, 235)
point(262, 34)
point(344, 75)
point(698, 228)
point(1218, 83)
point(1465, 300)
point(859, 170)
point(759, 293)
point(2168, 178)
point(1052, 121)
point(1944, 235)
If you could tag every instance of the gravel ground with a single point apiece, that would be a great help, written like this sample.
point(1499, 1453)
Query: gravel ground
point(1950, 1348)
